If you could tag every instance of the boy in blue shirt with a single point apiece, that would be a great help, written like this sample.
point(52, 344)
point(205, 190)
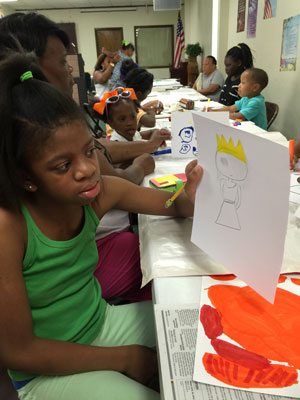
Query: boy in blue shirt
point(251, 106)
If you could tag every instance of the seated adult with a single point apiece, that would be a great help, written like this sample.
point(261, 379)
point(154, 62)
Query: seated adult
point(37, 33)
point(237, 59)
point(102, 73)
point(210, 81)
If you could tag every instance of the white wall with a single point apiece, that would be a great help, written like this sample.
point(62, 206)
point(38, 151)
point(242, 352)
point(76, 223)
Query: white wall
point(284, 87)
point(87, 22)
point(223, 34)
point(197, 24)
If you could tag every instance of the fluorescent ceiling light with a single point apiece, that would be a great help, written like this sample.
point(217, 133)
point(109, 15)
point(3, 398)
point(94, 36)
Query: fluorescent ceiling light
point(106, 9)
point(7, 1)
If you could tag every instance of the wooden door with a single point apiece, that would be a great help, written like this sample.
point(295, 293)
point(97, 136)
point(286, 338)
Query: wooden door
point(109, 38)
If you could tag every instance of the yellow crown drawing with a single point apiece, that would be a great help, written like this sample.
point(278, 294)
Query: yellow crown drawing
point(229, 148)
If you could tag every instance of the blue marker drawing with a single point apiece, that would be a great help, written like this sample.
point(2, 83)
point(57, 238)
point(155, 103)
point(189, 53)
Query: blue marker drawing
point(185, 148)
point(186, 134)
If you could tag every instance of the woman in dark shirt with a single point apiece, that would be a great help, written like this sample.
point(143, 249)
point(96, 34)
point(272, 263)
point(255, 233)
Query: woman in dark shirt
point(237, 59)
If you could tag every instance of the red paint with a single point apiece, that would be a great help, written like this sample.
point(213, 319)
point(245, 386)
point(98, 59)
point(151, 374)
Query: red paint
point(211, 321)
point(228, 277)
point(240, 356)
point(274, 376)
point(282, 279)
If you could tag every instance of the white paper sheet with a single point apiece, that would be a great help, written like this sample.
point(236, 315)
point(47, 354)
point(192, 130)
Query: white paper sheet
point(166, 248)
point(163, 123)
point(241, 208)
point(184, 140)
point(176, 327)
point(166, 82)
point(248, 333)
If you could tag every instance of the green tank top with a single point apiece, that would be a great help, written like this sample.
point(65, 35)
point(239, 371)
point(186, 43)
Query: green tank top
point(64, 296)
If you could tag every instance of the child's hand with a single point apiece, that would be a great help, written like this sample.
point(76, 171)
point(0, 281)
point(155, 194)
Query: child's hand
point(154, 105)
point(116, 58)
point(159, 136)
point(141, 363)
point(146, 161)
point(159, 107)
point(207, 109)
point(194, 174)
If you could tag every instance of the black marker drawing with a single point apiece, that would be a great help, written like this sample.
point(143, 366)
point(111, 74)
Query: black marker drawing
point(232, 168)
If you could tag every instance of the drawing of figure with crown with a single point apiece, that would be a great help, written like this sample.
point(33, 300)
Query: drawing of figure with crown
point(232, 168)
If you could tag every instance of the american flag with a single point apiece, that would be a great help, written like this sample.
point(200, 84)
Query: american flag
point(179, 45)
point(268, 9)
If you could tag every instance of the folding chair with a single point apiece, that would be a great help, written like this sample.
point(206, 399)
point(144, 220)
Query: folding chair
point(97, 127)
point(272, 111)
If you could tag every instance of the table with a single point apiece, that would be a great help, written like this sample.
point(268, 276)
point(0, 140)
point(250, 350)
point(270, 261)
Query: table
point(180, 293)
point(166, 84)
point(168, 258)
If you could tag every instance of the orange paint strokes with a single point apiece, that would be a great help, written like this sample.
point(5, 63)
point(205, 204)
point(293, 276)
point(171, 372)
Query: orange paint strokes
point(271, 330)
point(296, 281)
point(223, 277)
point(274, 376)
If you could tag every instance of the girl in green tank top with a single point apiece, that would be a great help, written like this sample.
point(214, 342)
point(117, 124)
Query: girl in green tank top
point(58, 337)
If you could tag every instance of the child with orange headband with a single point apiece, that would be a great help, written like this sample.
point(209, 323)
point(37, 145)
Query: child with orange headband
point(118, 109)
point(114, 237)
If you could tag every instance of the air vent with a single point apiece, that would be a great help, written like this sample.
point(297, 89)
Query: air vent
point(166, 5)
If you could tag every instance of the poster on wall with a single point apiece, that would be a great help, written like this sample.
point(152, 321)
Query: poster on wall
point(270, 9)
point(241, 16)
point(252, 17)
point(289, 45)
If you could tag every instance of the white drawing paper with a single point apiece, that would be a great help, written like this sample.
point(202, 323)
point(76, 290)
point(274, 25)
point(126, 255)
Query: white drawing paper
point(241, 207)
point(184, 140)
point(246, 343)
